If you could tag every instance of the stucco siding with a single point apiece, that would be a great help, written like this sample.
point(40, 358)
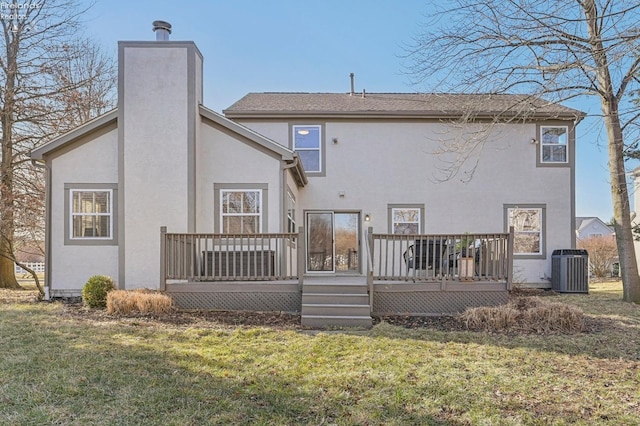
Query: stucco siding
point(384, 162)
point(222, 158)
point(89, 162)
point(157, 106)
point(276, 131)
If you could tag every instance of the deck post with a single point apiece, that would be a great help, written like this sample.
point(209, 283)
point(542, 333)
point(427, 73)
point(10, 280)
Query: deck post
point(510, 243)
point(163, 258)
point(369, 237)
point(302, 253)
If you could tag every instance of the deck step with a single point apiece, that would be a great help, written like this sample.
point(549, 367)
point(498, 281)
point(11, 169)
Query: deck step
point(337, 321)
point(336, 303)
point(336, 298)
point(337, 310)
point(334, 288)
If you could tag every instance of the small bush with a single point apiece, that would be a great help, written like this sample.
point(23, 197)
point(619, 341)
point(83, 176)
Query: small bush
point(526, 314)
point(142, 301)
point(94, 292)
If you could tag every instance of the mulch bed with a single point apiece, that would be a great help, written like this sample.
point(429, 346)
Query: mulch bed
point(73, 308)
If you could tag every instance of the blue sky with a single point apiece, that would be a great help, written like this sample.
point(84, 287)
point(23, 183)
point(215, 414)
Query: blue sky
point(312, 46)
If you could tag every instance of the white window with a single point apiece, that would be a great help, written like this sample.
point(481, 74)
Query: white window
point(91, 214)
point(405, 220)
point(527, 223)
point(291, 213)
point(307, 142)
point(553, 144)
point(241, 211)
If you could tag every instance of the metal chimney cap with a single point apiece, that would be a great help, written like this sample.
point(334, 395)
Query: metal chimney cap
point(162, 25)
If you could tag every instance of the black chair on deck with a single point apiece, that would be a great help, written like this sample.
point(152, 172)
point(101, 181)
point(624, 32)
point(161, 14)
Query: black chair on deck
point(425, 255)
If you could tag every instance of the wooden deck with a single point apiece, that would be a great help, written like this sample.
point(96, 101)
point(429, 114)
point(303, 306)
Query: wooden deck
point(406, 274)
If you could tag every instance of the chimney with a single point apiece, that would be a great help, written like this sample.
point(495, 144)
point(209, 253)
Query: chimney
point(162, 30)
point(352, 89)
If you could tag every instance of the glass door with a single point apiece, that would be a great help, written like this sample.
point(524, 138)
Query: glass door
point(347, 242)
point(320, 242)
point(333, 242)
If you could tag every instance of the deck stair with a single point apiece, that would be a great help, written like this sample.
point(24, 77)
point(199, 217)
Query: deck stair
point(335, 302)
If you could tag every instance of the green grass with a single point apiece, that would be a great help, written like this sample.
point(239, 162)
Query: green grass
point(56, 369)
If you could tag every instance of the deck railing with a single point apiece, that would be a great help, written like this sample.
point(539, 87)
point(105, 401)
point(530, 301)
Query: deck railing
point(229, 257)
point(451, 257)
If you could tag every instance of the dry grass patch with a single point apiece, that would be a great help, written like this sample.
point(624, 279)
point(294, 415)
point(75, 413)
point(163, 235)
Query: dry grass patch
point(526, 314)
point(124, 302)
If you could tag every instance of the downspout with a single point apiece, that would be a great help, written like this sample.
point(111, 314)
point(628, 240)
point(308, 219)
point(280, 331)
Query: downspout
point(296, 160)
point(283, 193)
point(296, 164)
point(283, 222)
point(47, 227)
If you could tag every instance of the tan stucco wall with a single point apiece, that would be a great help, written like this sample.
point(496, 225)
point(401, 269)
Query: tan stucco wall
point(222, 158)
point(91, 162)
point(156, 106)
point(382, 162)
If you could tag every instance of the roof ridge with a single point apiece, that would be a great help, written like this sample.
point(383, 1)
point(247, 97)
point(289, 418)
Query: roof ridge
point(400, 93)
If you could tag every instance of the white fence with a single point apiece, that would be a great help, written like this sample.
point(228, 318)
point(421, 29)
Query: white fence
point(38, 267)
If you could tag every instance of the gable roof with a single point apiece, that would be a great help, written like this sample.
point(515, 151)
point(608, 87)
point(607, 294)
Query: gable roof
point(287, 155)
point(90, 126)
point(585, 221)
point(425, 105)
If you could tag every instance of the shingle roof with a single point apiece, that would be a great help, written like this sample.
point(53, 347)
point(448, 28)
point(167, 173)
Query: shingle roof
point(397, 104)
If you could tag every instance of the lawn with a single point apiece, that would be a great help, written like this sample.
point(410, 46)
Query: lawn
point(57, 368)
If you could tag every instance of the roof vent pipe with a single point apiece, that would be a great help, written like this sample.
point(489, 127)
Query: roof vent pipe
point(352, 90)
point(162, 30)
point(363, 93)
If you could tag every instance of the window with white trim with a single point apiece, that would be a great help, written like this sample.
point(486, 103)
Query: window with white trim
point(91, 215)
point(241, 211)
point(307, 142)
point(528, 229)
point(406, 220)
point(291, 212)
point(554, 144)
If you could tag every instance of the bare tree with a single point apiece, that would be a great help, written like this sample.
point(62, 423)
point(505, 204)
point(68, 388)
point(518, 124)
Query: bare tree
point(602, 253)
point(50, 81)
point(555, 50)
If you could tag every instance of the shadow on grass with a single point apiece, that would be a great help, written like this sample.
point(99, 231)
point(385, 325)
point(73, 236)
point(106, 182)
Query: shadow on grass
point(62, 372)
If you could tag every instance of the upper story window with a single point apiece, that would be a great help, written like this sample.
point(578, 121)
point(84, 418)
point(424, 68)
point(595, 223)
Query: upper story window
point(554, 144)
point(528, 227)
point(91, 214)
point(405, 220)
point(307, 142)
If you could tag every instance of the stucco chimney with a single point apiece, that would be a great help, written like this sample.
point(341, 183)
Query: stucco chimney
point(162, 30)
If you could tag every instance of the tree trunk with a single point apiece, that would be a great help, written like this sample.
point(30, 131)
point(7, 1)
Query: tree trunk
point(621, 207)
point(609, 102)
point(7, 271)
point(7, 274)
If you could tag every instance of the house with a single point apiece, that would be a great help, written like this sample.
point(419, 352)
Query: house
point(328, 204)
point(587, 227)
point(598, 238)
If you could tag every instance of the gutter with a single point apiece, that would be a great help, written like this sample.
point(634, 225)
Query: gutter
point(302, 176)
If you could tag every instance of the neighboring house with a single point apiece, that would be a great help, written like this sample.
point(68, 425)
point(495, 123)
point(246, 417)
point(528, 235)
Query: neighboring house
point(587, 227)
point(326, 204)
point(603, 255)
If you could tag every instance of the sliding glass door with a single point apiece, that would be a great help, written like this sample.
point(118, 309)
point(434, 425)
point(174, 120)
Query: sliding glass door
point(333, 242)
